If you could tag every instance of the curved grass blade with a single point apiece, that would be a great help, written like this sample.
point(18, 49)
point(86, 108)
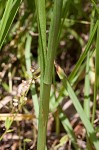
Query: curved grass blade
point(78, 107)
point(81, 59)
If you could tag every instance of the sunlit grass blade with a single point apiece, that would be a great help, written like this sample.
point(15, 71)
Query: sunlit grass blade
point(78, 107)
point(7, 19)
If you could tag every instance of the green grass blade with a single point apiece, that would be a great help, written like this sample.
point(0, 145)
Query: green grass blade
point(65, 10)
point(7, 19)
point(28, 66)
point(52, 41)
point(28, 54)
point(87, 78)
point(41, 16)
point(96, 85)
point(67, 126)
point(81, 59)
point(78, 107)
point(97, 9)
point(74, 80)
point(87, 90)
point(2, 6)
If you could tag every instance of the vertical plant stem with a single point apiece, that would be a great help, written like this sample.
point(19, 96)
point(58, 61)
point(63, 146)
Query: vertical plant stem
point(87, 84)
point(52, 41)
point(47, 79)
point(87, 80)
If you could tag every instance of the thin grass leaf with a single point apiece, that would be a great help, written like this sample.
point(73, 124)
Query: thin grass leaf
point(7, 19)
point(28, 54)
point(28, 66)
point(87, 90)
point(96, 85)
point(52, 41)
point(78, 107)
point(41, 16)
point(87, 79)
point(55, 104)
point(67, 126)
point(97, 9)
point(81, 59)
point(2, 6)
point(65, 10)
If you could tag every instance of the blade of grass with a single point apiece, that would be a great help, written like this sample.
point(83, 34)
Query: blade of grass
point(7, 19)
point(41, 18)
point(87, 90)
point(87, 79)
point(96, 85)
point(55, 104)
point(52, 41)
point(87, 96)
point(65, 10)
point(87, 84)
point(78, 107)
point(84, 54)
point(64, 120)
point(67, 126)
point(97, 9)
point(28, 66)
point(2, 6)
